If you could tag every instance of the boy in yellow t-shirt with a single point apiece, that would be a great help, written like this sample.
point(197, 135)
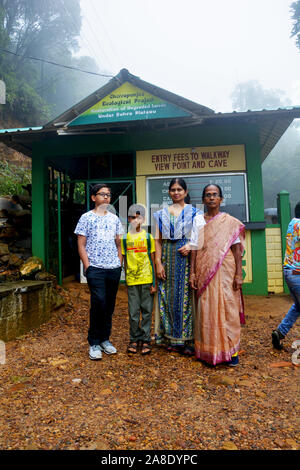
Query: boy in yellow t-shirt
point(138, 249)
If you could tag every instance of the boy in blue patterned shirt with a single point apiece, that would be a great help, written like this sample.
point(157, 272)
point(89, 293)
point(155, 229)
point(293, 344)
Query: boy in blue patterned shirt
point(99, 249)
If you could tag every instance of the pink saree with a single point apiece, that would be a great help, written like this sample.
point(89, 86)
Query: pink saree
point(219, 308)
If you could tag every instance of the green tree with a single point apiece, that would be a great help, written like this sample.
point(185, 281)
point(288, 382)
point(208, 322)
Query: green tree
point(281, 169)
point(251, 95)
point(46, 29)
point(295, 8)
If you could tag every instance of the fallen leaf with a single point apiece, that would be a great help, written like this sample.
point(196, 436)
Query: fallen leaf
point(105, 391)
point(173, 386)
point(229, 445)
point(17, 387)
point(245, 383)
point(58, 362)
point(291, 443)
point(260, 394)
point(223, 380)
point(281, 364)
point(19, 379)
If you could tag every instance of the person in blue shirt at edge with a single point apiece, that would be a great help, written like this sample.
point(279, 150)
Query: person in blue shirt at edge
point(291, 270)
point(98, 233)
point(138, 249)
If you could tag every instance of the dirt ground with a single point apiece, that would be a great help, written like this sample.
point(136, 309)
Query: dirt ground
point(54, 397)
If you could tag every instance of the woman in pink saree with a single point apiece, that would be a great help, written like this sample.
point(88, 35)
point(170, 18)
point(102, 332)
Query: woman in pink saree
point(216, 275)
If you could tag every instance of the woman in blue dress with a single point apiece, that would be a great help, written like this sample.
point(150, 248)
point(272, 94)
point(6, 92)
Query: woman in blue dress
point(174, 309)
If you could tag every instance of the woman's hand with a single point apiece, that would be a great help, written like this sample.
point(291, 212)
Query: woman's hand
point(185, 250)
point(160, 271)
point(193, 281)
point(237, 282)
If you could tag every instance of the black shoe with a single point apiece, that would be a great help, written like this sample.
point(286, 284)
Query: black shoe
point(277, 336)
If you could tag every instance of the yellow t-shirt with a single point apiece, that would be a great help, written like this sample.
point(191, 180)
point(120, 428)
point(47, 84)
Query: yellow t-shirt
point(139, 270)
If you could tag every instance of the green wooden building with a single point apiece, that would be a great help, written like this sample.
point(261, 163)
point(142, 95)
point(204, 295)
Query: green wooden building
point(137, 136)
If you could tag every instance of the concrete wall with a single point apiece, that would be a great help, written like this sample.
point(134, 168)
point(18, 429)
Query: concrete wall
point(25, 305)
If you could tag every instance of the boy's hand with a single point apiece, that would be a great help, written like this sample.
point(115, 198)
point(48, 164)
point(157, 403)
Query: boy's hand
point(160, 272)
point(153, 289)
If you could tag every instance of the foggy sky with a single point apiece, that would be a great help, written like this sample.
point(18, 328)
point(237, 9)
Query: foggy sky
point(198, 49)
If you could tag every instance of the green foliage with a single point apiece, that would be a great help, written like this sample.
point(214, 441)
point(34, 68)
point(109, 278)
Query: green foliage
point(251, 95)
point(12, 178)
point(37, 91)
point(295, 8)
point(281, 169)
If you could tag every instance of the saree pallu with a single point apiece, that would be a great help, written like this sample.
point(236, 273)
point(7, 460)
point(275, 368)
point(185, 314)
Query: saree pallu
point(174, 305)
point(219, 308)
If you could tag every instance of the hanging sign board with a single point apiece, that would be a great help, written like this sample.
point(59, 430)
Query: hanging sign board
point(128, 103)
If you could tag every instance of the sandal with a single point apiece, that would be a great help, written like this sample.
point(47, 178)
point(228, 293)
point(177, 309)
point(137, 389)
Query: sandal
point(146, 349)
point(132, 348)
point(188, 350)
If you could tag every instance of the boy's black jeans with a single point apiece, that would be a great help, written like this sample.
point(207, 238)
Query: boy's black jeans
point(103, 284)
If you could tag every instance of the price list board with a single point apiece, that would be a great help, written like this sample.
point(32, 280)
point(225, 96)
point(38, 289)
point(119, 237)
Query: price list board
point(233, 189)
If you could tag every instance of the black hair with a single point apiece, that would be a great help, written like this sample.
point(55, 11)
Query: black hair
point(16, 198)
point(297, 210)
point(212, 184)
point(187, 199)
point(98, 186)
point(179, 181)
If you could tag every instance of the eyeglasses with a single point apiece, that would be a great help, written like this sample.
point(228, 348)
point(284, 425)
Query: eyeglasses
point(103, 194)
point(212, 195)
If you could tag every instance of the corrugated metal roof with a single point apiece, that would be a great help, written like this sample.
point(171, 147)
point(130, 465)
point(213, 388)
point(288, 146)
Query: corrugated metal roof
point(20, 129)
point(272, 123)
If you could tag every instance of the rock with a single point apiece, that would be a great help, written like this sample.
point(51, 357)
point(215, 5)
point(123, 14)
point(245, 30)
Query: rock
point(5, 259)
point(31, 267)
point(8, 232)
point(4, 249)
point(44, 276)
point(76, 381)
point(57, 300)
point(15, 261)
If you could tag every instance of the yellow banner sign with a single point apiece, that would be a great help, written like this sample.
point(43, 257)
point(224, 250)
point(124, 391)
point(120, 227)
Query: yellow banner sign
point(191, 160)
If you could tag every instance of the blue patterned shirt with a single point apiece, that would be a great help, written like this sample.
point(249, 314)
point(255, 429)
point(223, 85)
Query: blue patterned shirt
point(100, 233)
